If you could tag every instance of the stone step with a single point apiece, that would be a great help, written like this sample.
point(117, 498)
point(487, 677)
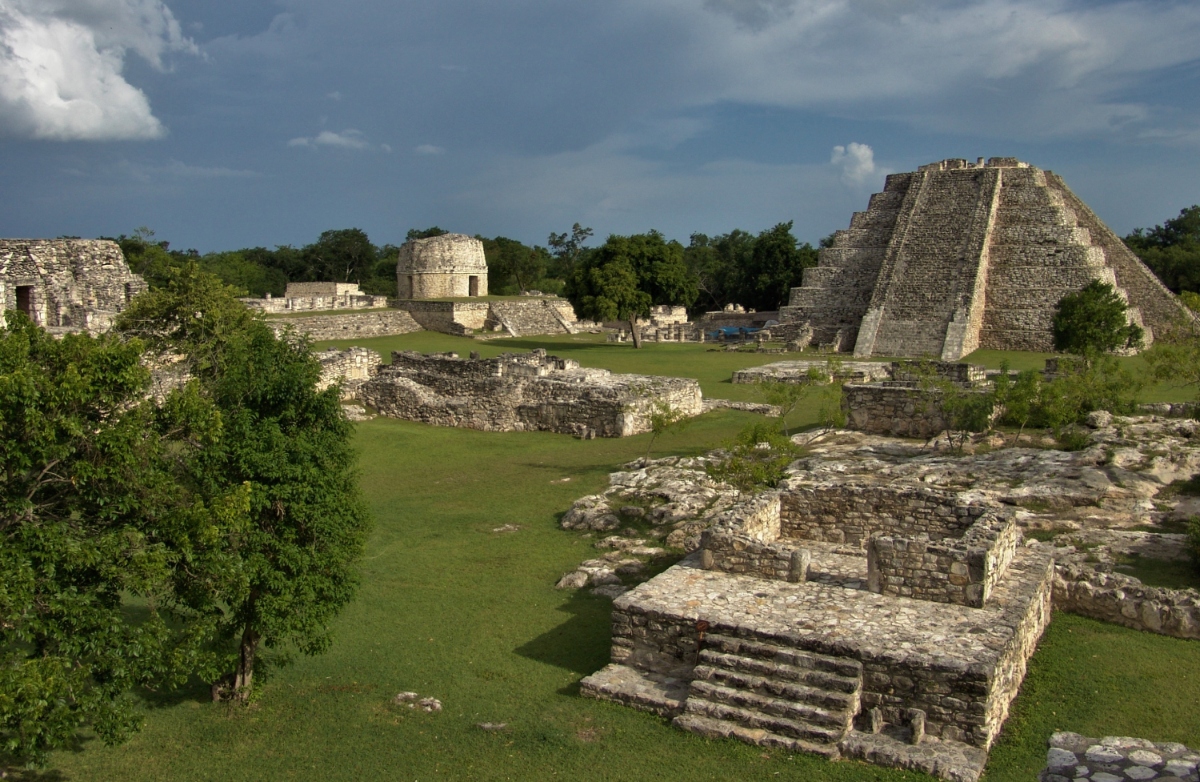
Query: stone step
point(781, 670)
point(797, 658)
point(714, 728)
point(833, 701)
point(755, 720)
point(751, 700)
point(654, 692)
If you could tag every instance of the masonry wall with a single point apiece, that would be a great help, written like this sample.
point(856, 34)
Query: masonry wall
point(524, 392)
point(353, 367)
point(520, 317)
point(376, 323)
point(447, 266)
point(290, 304)
point(851, 514)
point(67, 285)
point(449, 317)
point(745, 540)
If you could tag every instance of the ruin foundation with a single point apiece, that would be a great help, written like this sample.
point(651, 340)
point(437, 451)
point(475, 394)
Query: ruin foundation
point(888, 624)
point(524, 392)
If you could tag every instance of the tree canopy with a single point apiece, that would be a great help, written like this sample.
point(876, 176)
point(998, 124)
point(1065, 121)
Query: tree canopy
point(1172, 250)
point(1093, 320)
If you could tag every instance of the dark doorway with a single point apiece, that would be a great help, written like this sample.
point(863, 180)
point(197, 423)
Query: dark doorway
point(472, 285)
point(25, 299)
point(412, 288)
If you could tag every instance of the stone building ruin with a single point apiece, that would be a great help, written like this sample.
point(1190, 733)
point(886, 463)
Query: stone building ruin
point(958, 256)
point(842, 619)
point(305, 296)
point(66, 285)
point(440, 267)
point(523, 392)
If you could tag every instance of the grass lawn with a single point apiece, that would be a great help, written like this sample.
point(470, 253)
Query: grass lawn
point(450, 609)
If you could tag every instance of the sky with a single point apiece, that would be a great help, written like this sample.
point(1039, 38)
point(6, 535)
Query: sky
point(222, 124)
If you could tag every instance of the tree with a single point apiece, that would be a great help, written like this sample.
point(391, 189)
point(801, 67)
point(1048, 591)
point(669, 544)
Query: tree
point(345, 255)
point(626, 275)
point(775, 266)
point(1094, 319)
point(290, 446)
point(99, 528)
point(1172, 250)
point(567, 249)
point(513, 265)
point(718, 265)
point(425, 233)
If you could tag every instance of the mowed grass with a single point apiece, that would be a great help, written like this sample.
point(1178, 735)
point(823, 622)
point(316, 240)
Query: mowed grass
point(449, 608)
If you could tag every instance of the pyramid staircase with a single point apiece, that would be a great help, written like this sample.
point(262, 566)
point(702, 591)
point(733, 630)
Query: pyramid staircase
point(772, 695)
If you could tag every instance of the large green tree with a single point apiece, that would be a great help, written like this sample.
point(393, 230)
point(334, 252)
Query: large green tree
point(99, 528)
point(1093, 320)
point(621, 279)
point(1172, 250)
point(289, 444)
point(775, 266)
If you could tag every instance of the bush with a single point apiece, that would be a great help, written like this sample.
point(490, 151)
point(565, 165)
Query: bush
point(1094, 320)
point(758, 459)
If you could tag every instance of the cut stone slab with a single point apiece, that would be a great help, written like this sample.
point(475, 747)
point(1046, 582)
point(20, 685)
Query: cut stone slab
point(653, 692)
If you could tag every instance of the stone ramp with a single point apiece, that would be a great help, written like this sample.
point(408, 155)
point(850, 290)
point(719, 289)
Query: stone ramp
point(523, 318)
point(772, 695)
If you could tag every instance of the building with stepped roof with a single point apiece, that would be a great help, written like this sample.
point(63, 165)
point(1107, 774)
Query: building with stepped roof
point(66, 285)
point(958, 256)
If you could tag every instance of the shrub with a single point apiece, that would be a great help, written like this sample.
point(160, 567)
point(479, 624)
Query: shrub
point(1094, 319)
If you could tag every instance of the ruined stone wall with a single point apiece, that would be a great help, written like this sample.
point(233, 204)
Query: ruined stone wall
point(376, 323)
point(449, 317)
point(893, 408)
point(524, 392)
point(353, 367)
point(66, 285)
point(745, 540)
point(1123, 600)
point(962, 571)
point(328, 300)
point(296, 290)
point(447, 266)
point(797, 372)
point(851, 514)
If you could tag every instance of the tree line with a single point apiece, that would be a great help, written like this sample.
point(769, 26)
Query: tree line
point(739, 267)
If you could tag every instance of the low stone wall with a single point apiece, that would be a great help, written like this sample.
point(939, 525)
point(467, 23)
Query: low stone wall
point(325, 301)
point(847, 513)
point(897, 409)
point(962, 571)
point(1123, 600)
point(524, 392)
point(954, 371)
point(745, 540)
point(653, 642)
point(376, 323)
point(352, 367)
point(1072, 756)
point(449, 317)
point(797, 371)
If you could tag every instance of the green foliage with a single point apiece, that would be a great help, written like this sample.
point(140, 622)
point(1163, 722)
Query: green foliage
point(426, 233)
point(1094, 319)
point(568, 249)
point(788, 396)
point(97, 519)
point(285, 441)
point(758, 458)
point(1172, 250)
point(664, 419)
point(515, 268)
point(1175, 356)
point(738, 267)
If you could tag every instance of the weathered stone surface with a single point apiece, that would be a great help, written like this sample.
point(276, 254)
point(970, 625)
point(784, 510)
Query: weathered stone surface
point(375, 323)
point(451, 265)
point(304, 296)
point(1117, 758)
point(956, 256)
point(798, 372)
point(66, 285)
point(524, 392)
point(352, 367)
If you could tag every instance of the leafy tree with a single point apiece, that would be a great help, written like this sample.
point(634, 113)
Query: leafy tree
point(426, 233)
point(341, 256)
point(626, 275)
point(567, 249)
point(1093, 319)
point(99, 530)
point(718, 264)
point(775, 266)
point(664, 419)
point(758, 458)
point(290, 445)
point(513, 266)
point(1172, 250)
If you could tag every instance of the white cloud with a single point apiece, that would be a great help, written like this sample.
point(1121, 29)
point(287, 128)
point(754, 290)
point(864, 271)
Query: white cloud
point(61, 64)
point(857, 162)
point(429, 149)
point(178, 170)
point(347, 139)
point(335, 95)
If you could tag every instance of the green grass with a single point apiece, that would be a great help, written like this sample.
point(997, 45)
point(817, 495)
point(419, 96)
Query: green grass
point(1020, 360)
point(1166, 573)
point(449, 609)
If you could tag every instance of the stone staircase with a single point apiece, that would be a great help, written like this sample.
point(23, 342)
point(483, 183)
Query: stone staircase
point(772, 695)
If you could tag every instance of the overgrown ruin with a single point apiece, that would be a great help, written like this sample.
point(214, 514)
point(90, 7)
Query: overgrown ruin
point(958, 256)
point(524, 392)
point(66, 285)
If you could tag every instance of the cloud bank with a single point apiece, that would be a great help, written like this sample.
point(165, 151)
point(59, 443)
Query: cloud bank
point(61, 64)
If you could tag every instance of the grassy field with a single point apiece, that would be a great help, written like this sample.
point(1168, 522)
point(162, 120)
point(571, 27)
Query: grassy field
point(451, 609)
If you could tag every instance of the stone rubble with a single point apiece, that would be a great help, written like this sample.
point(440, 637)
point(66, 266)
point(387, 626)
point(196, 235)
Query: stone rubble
point(1073, 757)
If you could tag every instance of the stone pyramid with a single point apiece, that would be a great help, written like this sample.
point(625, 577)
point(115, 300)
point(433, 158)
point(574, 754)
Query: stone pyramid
point(958, 256)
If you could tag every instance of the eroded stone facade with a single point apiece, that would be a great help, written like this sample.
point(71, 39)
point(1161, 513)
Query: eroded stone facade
point(958, 256)
point(66, 285)
point(447, 266)
point(524, 392)
point(304, 296)
point(352, 367)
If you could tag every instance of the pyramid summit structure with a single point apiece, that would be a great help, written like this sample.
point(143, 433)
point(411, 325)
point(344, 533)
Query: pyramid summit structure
point(958, 256)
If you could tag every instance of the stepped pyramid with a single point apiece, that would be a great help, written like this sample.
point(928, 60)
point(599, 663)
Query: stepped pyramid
point(958, 256)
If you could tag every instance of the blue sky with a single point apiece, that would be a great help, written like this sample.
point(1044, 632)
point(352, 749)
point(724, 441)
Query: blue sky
point(230, 123)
